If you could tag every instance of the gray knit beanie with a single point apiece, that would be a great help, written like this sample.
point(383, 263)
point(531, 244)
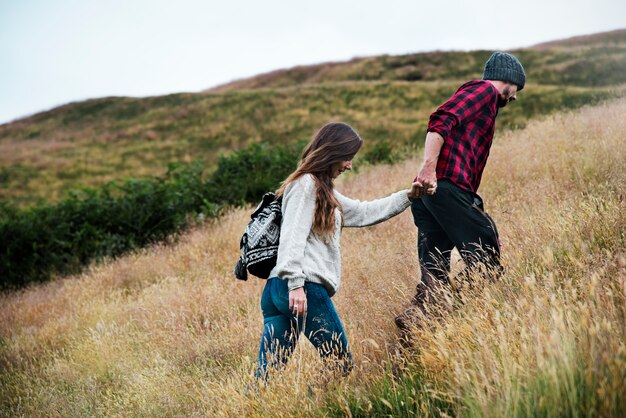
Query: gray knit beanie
point(505, 67)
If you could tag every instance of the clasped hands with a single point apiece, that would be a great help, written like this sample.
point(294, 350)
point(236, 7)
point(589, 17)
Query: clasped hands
point(425, 184)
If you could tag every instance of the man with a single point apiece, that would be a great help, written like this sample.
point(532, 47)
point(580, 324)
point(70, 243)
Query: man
point(450, 213)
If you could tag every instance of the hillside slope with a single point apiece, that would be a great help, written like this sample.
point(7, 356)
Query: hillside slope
point(168, 331)
point(387, 99)
point(591, 60)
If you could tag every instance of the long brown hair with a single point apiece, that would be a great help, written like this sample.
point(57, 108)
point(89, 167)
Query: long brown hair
point(332, 144)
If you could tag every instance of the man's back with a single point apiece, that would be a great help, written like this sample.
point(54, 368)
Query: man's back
point(466, 122)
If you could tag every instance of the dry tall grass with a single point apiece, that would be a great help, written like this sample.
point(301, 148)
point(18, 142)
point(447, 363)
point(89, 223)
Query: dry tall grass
point(169, 332)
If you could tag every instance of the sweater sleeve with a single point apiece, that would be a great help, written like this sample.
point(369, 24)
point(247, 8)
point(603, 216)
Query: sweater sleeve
point(357, 213)
point(298, 211)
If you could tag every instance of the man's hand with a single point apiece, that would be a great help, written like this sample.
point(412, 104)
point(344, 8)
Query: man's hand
point(425, 184)
point(297, 301)
point(427, 177)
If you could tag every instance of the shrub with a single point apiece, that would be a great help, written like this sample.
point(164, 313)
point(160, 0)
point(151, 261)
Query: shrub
point(124, 215)
point(91, 224)
point(381, 152)
point(249, 173)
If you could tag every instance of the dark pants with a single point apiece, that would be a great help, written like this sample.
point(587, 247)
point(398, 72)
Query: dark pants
point(281, 329)
point(452, 217)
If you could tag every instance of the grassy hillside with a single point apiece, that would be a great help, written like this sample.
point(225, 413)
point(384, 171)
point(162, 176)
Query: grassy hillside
point(168, 332)
point(593, 60)
point(92, 142)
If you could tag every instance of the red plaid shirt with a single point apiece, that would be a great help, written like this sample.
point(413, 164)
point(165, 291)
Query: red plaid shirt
point(466, 122)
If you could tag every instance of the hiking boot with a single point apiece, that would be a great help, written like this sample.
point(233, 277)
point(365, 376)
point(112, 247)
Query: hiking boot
point(410, 318)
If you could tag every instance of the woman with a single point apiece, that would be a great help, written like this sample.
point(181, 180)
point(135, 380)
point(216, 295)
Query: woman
point(308, 269)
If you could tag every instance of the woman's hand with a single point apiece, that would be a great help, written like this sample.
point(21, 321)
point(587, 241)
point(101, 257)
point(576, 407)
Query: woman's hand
point(297, 301)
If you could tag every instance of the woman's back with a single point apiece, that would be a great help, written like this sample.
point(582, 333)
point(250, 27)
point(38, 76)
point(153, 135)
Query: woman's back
point(304, 255)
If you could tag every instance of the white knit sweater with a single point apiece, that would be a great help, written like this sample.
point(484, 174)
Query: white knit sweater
point(302, 255)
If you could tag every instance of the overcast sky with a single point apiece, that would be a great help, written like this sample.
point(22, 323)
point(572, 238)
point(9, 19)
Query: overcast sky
point(56, 51)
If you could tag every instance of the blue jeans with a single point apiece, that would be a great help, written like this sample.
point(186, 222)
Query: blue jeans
point(281, 328)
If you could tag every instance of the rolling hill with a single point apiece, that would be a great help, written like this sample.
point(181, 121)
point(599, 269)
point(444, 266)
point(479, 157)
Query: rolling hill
point(387, 99)
point(592, 60)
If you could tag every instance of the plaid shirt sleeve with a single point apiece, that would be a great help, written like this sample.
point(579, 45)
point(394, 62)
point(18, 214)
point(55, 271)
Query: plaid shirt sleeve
point(461, 107)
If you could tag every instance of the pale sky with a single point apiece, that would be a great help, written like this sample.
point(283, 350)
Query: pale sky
point(58, 51)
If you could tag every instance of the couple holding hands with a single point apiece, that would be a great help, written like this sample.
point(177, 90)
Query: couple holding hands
point(446, 209)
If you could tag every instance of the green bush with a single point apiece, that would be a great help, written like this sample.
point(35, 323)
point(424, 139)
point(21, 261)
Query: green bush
point(380, 153)
point(91, 224)
point(249, 173)
point(123, 215)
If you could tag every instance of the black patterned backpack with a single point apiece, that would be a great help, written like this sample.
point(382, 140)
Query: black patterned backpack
point(259, 243)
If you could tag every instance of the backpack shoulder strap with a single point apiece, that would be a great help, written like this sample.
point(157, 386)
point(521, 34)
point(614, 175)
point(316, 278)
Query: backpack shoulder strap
point(267, 199)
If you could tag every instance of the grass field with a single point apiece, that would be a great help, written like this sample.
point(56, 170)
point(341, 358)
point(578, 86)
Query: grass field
point(168, 332)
